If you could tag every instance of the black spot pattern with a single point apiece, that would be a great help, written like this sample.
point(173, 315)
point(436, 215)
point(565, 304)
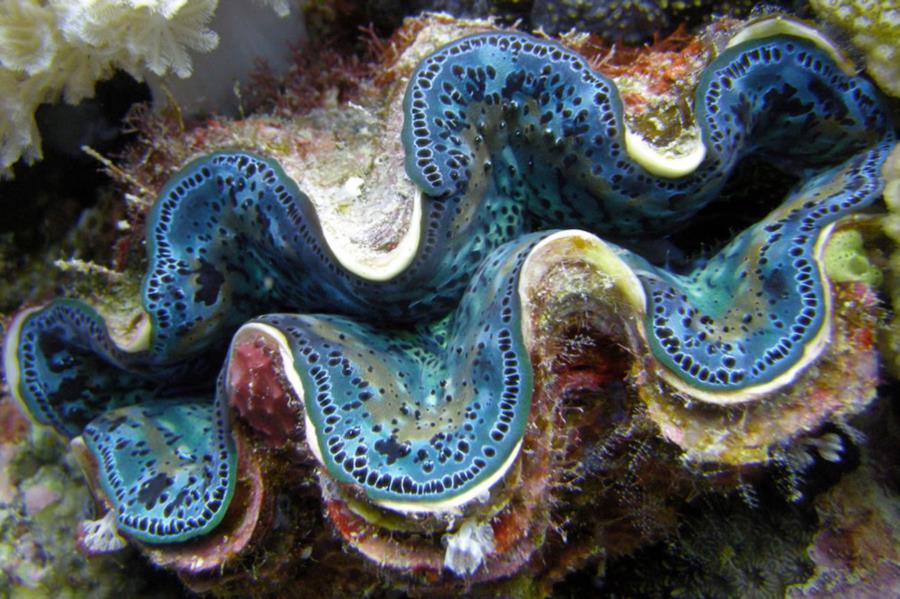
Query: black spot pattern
point(424, 416)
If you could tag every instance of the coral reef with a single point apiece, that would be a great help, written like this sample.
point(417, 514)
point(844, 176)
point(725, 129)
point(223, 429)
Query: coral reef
point(461, 394)
point(222, 77)
point(28, 272)
point(727, 549)
point(856, 549)
point(874, 28)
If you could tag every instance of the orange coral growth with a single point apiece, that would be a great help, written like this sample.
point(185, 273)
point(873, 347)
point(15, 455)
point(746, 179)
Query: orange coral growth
point(328, 74)
point(663, 66)
point(388, 51)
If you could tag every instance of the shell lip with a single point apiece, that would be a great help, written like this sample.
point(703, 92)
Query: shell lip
point(382, 266)
point(781, 24)
point(11, 369)
point(661, 161)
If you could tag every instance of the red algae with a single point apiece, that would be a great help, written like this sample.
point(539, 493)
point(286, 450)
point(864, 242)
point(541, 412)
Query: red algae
point(258, 392)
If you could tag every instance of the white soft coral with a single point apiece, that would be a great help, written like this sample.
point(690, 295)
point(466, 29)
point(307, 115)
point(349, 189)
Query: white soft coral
point(50, 48)
point(18, 132)
point(163, 41)
point(29, 36)
point(139, 34)
point(282, 8)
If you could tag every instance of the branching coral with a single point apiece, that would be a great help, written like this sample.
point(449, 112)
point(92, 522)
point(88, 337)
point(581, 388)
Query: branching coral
point(408, 380)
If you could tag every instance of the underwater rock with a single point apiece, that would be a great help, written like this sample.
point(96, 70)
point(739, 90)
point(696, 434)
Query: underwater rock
point(453, 378)
point(855, 548)
point(628, 21)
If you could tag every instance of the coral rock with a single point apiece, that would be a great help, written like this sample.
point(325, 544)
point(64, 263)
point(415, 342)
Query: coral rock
point(444, 393)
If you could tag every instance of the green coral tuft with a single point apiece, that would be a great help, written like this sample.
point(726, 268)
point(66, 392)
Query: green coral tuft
point(874, 27)
point(846, 260)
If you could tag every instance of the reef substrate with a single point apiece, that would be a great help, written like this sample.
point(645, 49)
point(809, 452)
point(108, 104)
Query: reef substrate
point(466, 400)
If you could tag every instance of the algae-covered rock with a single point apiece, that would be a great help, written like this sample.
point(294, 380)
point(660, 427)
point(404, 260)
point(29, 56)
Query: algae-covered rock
point(41, 499)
